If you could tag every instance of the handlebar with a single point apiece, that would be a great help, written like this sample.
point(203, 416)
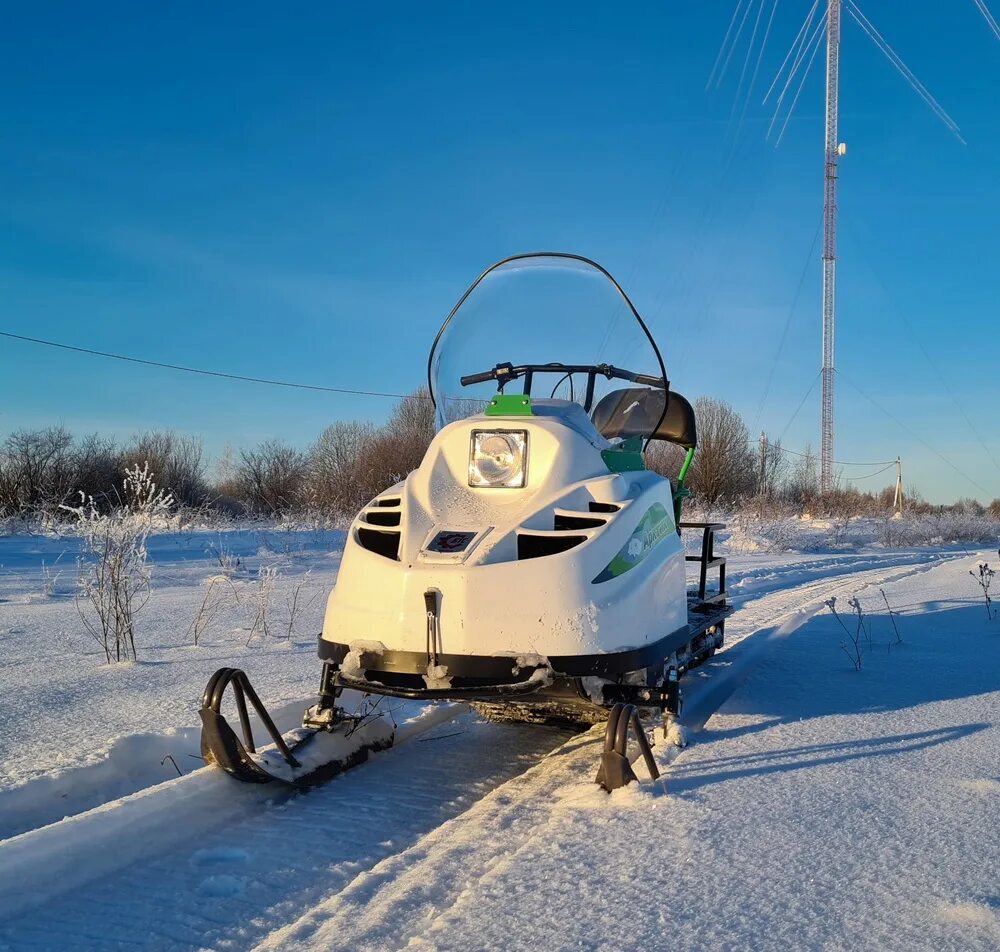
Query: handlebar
point(504, 373)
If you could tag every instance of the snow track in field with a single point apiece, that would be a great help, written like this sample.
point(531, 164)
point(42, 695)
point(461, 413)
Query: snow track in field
point(221, 868)
point(204, 862)
point(410, 898)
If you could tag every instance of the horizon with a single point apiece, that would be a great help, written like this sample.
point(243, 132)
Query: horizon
point(305, 196)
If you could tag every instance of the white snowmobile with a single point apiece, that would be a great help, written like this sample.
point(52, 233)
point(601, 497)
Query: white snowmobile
point(532, 564)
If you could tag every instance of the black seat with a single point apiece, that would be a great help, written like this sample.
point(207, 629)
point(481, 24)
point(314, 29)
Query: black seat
point(635, 410)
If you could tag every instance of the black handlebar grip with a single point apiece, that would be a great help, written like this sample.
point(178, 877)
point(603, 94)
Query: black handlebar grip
point(478, 378)
point(648, 379)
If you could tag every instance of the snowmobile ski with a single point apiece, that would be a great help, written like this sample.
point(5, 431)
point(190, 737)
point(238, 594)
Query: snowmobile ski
point(302, 758)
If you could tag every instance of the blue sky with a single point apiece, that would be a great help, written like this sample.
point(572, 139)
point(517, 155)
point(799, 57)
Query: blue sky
point(302, 192)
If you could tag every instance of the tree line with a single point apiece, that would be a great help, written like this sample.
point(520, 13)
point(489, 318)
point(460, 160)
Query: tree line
point(44, 470)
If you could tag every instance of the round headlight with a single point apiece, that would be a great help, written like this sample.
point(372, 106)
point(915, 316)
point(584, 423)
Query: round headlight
point(497, 459)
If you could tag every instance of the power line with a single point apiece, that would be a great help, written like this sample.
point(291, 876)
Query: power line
point(198, 370)
point(885, 469)
point(990, 19)
point(800, 37)
point(893, 57)
point(916, 436)
point(725, 43)
point(836, 462)
point(788, 324)
point(911, 332)
point(802, 403)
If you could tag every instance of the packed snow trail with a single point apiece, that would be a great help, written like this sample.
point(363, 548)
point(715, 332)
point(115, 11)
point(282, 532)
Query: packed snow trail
point(272, 862)
point(222, 881)
point(824, 808)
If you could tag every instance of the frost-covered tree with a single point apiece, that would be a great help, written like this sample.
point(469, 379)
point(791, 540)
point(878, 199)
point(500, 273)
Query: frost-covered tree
point(113, 583)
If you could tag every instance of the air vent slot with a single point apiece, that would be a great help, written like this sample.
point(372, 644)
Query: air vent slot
point(377, 518)
point(385, 544)
point(567, 521)
point(604, 507)
point(388, 501)
point(538, 546)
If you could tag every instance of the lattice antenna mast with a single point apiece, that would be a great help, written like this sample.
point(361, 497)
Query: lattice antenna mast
point(833, 151)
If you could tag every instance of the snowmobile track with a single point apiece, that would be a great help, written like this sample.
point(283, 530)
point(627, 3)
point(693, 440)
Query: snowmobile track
point(203, 858)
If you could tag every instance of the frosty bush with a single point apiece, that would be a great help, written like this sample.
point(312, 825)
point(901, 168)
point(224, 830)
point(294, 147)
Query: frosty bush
point(259, 601)
point(113, 583)
point(984, 576)
point(852, 647)
point(218, 590)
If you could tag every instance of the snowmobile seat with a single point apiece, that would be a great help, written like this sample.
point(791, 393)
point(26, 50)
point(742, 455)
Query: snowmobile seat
point(635, 410)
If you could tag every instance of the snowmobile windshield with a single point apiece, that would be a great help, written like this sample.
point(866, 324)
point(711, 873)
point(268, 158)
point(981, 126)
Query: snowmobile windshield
point(550, 326)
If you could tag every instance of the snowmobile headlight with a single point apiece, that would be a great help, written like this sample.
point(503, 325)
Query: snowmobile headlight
point(498, 458)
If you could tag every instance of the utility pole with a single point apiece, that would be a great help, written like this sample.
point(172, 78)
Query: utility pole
point(897, 499)
point(833, 151)
point(762, 478)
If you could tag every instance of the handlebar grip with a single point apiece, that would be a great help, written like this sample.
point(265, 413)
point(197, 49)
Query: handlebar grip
point(478, 378)
point(648, 380)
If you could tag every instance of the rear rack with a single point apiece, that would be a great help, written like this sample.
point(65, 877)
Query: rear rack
point(708, 560)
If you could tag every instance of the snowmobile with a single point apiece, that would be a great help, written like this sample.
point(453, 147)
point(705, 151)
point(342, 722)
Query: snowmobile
point(532, 565)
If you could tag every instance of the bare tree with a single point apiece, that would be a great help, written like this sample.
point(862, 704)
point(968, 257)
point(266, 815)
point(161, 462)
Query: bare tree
point(176, 463)
point(352, 462)
point(271, 478)
point(336, 463)
point(772, 467)
point(36, 470)
point(724, 464)
point(97, 465)
point(803, 484)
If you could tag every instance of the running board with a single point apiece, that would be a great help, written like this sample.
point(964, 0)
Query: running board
point(302, 758)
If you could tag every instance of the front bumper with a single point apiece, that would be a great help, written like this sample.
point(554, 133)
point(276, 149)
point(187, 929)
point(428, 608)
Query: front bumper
point(528, 678)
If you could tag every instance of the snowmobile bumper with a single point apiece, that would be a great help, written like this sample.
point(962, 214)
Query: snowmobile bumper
point(510, 669)
point(540, 679)
point(488, 678)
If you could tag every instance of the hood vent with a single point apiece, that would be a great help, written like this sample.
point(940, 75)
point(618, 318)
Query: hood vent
point(382, 517)
point(535, 546)
point(570, 520)
point(381, 542)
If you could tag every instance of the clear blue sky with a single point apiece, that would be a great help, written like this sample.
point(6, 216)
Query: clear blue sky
point(302, 191)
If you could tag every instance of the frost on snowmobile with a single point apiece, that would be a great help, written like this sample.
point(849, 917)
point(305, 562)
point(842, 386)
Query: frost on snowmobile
point(531, 565)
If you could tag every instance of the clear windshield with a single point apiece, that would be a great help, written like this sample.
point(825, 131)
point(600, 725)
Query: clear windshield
point(536, 310)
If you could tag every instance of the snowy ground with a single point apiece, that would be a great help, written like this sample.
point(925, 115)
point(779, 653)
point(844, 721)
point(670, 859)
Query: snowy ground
point(64, 708)
point(820, 807)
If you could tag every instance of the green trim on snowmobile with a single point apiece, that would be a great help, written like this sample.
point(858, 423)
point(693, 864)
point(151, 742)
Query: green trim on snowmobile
point(509, 404)
point(682, 492)
point(625, 457)
point(653, 528)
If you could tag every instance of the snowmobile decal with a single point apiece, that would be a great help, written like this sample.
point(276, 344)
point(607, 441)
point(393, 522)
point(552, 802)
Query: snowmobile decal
point(653, 528)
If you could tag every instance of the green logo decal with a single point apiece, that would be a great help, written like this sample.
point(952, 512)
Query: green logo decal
point(653, 528)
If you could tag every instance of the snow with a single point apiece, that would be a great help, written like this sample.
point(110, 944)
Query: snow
point(353, 663)
point(76, 731)
point(820, 808)
point(815, 807)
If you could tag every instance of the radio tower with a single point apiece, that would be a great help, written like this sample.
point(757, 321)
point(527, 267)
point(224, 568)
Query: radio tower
point(832, 152)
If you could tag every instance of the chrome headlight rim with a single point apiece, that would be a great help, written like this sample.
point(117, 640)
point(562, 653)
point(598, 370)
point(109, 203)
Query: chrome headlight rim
point(517, 441)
